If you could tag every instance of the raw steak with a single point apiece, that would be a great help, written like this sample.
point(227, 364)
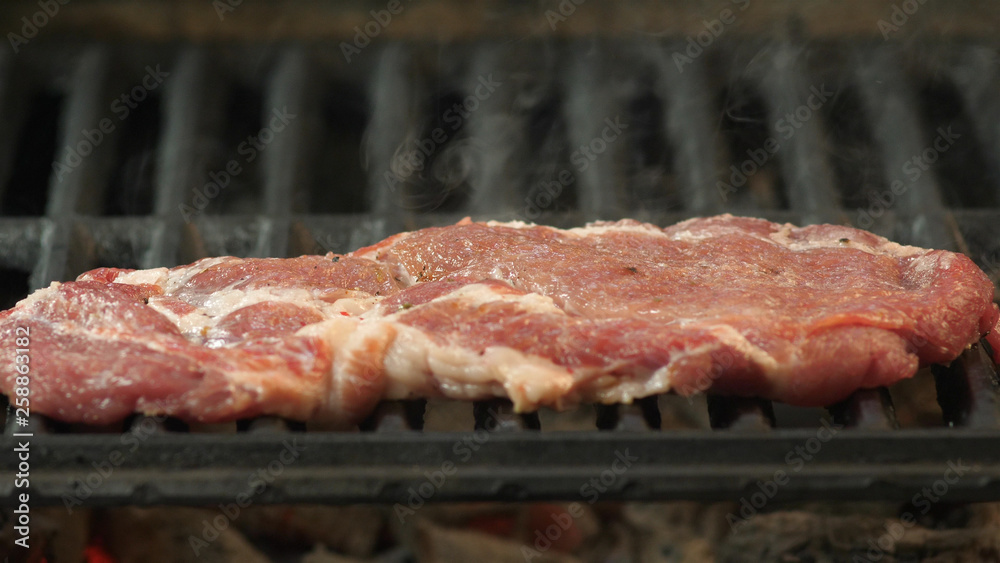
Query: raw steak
point(547, 317)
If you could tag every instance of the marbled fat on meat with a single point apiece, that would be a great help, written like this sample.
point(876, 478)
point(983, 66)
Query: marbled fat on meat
point(547, 317)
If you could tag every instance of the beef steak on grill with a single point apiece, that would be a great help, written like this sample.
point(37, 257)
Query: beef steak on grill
point(547, 317)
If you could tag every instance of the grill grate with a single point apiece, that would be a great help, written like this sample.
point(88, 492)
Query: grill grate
point(121, 206)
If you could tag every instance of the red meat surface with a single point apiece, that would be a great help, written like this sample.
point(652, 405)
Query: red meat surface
point(546, 317)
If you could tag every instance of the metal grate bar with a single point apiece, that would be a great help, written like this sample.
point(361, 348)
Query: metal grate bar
point(81, 184)
point(867, 462)
point(81, 187)
point(396, 95)
point(380, 467)
point(497, 415)
point(890, 105)
point(691, 130)
point(148, 424)
point(192, 111)
point(974, 71)
point(592, 98)
point(739, 413)
point(868, 409)
point(268, 424)
point(968, 390)
point(397, 416)
point(22, 241)
point(641, 415)
point(12, 93)
point(496, 150)
point(286, 159)
point(796, 124)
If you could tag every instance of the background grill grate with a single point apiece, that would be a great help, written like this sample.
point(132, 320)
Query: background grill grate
point(344, 172)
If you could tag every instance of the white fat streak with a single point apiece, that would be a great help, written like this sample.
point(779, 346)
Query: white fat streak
point(885, 247)
point(221, 303)
point(154, 276)
point(511, 224)
point(415, 364)
point(624, 390)
point(591, 229)
point(476, 294)
point(732, 339)
point(335, 331)
point(693, 236)
point(782, 237)
point(180, 277)
point(156, 305)
point(39, 295)
point(932, 262)
point(923, 270)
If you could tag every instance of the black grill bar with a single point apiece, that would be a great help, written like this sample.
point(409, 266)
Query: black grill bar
point(893, 113)
point(590, 99)
point(868, 409)
point(968, 390)
point(396, 96)
point(691, 129)
point(200, 469)
point(397, 416)
point(870, 460)
point(265, 424)
point(582, 83)
point(14, 104)
point(974, 72)
point(809, 178)
point(151, 424)
point(640, 416)
point(492, 159)
point(286, 159)
point(81, 184)
point(498, 415)
point(192, 111)
point(739, 413)
point(82, 188)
